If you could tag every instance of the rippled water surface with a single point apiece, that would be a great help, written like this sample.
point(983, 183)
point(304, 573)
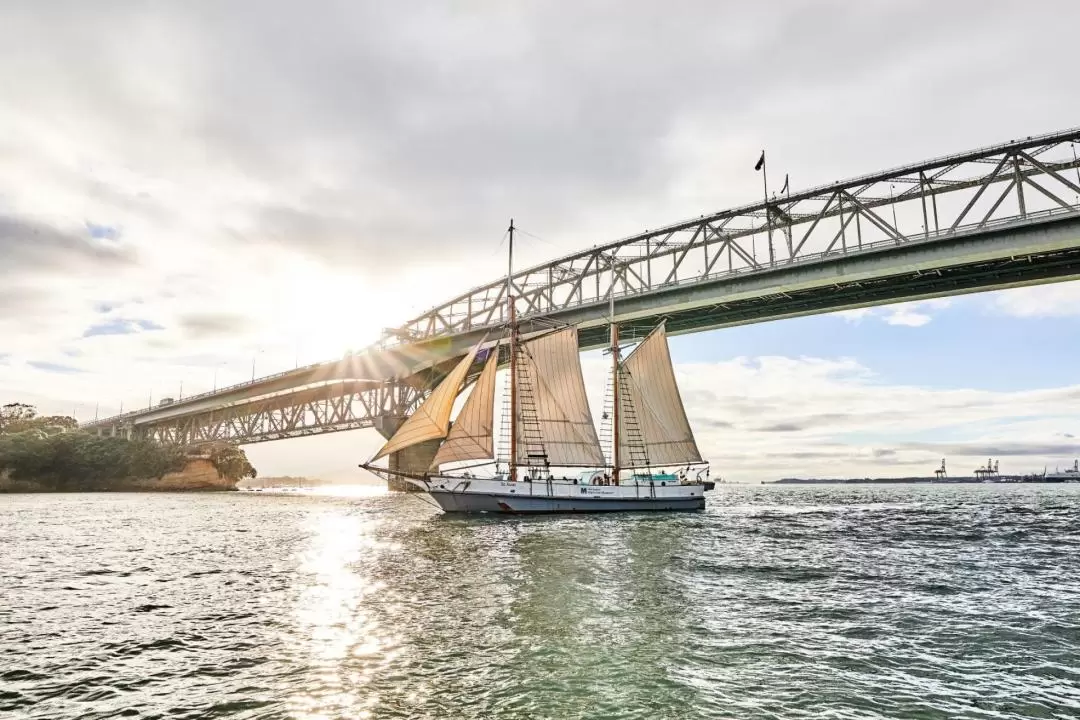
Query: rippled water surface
point(820, 602)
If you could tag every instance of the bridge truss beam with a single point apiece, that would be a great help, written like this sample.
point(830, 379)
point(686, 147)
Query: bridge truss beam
point(938, 200)
point(331, 408)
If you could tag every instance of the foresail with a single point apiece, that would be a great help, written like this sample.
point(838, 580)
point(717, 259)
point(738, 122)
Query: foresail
point(658, 421)
point(470, 436)
point(554, 425)
point(432, 419)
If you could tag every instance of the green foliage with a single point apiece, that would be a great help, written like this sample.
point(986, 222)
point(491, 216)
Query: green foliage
point(20, 417)
point(38, 449)
point(231, 462)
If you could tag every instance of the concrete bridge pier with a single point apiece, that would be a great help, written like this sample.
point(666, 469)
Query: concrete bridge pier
point(412, 459)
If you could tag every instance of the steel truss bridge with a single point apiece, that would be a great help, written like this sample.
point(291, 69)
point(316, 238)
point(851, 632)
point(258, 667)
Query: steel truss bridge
point(1002, 216)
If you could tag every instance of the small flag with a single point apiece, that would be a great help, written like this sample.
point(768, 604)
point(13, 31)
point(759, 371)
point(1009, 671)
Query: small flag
point(761, 161)
point(784, 189)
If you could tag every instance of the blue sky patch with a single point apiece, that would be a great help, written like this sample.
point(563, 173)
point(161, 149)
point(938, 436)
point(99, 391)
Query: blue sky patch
point(967, 344)
point(121, 326)
point(102, 232)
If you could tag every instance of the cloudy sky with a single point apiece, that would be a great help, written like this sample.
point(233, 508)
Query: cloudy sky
point(190, 187)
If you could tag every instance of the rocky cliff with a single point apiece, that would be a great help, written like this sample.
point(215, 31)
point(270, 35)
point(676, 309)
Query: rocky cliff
point(199, 474)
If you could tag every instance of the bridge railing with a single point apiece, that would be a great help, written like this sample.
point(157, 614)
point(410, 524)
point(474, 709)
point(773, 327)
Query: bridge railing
point(120, 418)
point(1022, 182)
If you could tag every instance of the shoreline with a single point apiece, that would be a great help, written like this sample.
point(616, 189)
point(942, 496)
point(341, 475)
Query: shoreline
point(909, 481)
point(198, 475)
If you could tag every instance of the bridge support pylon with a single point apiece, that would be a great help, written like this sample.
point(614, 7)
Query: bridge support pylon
point(415, 459)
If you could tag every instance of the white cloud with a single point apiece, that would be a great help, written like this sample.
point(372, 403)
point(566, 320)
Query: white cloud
point(908, 314)
point(1057, 300)
point(856, 316)
point(767, 417)
point(907, 318)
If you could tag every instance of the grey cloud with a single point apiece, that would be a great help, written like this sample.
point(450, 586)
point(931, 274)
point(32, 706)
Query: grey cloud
point(385, 134)
point(206, 325)
point(1003, 449)
point(54, 367)
point(17, 298)
point(29, 247)
point(844, 455)
point(714, 424)
point(784, 427)
point(746, 408)
point(807, 455)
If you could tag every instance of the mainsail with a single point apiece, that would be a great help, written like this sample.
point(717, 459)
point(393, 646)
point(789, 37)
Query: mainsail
point(554, 426)
point(470, 437)
point(432, 419)
point(657, 423)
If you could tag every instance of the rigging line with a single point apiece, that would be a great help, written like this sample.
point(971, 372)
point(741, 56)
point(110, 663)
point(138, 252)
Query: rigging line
point(426, 499)
point(534, 237)
point(474, 465)
point(501, 243)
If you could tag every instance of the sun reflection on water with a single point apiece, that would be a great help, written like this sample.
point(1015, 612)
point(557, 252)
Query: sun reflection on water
point(339, 640)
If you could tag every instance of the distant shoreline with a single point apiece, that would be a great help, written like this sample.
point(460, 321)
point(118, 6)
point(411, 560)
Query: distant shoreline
point(1005, 480)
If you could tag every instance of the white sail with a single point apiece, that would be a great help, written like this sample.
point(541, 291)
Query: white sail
point(432, 419)
point(554, 425)
point(653, 430)
point(470, 436)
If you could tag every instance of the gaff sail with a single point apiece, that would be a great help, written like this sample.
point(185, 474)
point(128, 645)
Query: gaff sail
point(554, 426)
point(432, 419)
point(658, 421)
point(471, 435)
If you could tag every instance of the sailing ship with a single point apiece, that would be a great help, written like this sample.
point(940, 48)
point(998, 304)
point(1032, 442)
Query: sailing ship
point(551, 428)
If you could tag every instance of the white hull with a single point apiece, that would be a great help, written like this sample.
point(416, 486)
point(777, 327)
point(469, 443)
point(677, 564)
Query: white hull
point(479, 495)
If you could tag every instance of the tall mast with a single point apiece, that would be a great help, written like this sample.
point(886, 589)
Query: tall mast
point(615, 459)
point(513, 356)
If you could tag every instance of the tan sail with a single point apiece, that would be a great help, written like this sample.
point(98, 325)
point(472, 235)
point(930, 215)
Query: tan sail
point(470, 436)
point(656, 432)
point(432, 419)
point(554, 425)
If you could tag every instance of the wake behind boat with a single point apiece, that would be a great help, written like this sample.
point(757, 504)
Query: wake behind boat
point(555, 461)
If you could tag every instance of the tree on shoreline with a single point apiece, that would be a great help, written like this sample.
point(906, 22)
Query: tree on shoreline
point(20, 417)
point(231, 462)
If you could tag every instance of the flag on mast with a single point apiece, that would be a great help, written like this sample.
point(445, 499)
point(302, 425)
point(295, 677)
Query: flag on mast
point(761, 161)
point(784, 189)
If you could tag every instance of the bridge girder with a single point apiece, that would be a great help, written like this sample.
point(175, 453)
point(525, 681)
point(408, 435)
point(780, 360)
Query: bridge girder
point(330, 408)
point(961, 194)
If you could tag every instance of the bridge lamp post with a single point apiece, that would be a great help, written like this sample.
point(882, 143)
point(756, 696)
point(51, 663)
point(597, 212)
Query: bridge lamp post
point(257, 353)
point(216, 368)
